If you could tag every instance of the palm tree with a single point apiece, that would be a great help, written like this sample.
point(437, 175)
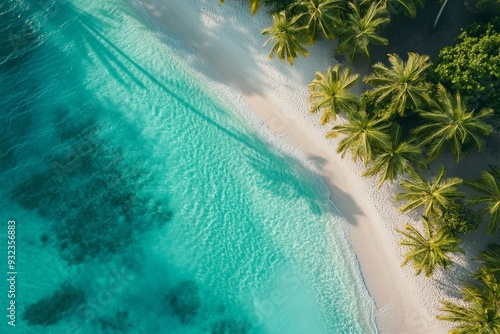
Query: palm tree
point(486, 6)
point(319, 16)
point(408, 7)
point(489, 188)
point(329, 92)
point(360, 29)
point(439, 14)
point(399, 157)
point(449, 123)
point(434, 196)
point(491, 258)
point(365, 135)
point(402, 84)
point(288, 37)
point(254, 5)
point(474, 318)
point(482, 313)
point(428, 250)
point(488, 289)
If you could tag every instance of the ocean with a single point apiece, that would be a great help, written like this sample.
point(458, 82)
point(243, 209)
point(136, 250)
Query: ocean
point(144, 200)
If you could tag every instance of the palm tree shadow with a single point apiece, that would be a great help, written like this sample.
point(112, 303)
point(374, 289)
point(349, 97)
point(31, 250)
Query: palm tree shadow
point(450, 283)
point(282, 174)
point(210, 47)
point(85, 30)
point(340, 198)
point(451, 280)
point(286, 177)
point(91, 39)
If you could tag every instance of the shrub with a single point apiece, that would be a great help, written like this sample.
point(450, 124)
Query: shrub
point(458, 220)
point(472, 67)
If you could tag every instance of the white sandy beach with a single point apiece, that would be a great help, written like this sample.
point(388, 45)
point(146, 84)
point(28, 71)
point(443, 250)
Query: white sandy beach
point(228, 40)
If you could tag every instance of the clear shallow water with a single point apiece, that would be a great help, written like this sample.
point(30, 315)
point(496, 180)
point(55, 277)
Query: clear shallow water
point(144, 203)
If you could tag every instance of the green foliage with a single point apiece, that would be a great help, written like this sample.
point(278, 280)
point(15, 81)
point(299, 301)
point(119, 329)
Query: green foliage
point(364, 135)
point(402, 84)
point(472, 67)
point(434, 196)
point(491, 259)
point(481, 314)
point(488, 188)
point(361, 27)
point(400, 157)
point(381, 109)
point(289, 38)
point(428, 250)
point(488, 6)
point(490, 286)
point(450, 124)
point(329, 92)
point(458, 220)
point(276, 6)
point(408, 7)
point(319, 16)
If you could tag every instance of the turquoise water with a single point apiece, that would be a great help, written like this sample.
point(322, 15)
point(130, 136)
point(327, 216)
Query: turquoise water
point(144, 203)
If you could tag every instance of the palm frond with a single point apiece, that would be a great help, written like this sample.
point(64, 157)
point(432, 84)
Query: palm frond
point(402, 84)
point(364, 135)
point(428, 250)
point(289, 38)
point(488, 195)
point(329, 92)
point(435, 196)
point(449, 124)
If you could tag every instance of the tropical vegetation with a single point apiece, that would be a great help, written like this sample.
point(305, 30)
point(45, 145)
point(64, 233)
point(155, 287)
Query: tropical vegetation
point(408, 7)
point(398, 158)
point(481, 312)
point(488, 6)
point(356, 25)
point(289, 39)
point(429, 249)
point(330, 93)
point(361, 28)
point(449, 123)
point(320, 16)
point(364, 135)
point(434, 196)
point(491, 258)
point(472, 67)
point(458, 219)
point(488, 189)
point(414, 112)
point(402, 84)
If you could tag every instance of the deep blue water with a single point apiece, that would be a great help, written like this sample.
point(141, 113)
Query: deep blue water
point(143, 201)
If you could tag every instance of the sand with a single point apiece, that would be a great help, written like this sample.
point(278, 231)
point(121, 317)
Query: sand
point(228, 40)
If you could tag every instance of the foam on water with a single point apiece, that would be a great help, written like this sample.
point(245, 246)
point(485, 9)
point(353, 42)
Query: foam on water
point(145, 202)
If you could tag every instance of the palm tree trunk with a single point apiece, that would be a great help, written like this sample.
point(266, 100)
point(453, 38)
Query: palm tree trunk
point(439, 14)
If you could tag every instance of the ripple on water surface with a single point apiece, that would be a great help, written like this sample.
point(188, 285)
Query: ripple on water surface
point(144, 204)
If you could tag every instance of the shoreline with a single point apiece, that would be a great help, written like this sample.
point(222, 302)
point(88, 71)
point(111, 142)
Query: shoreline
point(277, 93)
